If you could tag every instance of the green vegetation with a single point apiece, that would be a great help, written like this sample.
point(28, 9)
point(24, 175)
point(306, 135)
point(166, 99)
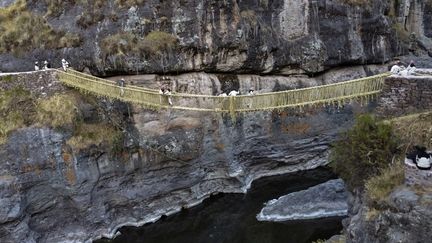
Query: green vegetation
point(363, 151)
point(21, 30)
point(97, 134)
point(249, 16)
point(402, 34)
point(379, 187)
point(159, 41)
point(57, 111)
point(128, 3)
point(93, 13)
point(357, 2)
point(126, 43)
point(56, 7)
point(16, 110)
point(7, 78)
point(120, 44)
point(414, 130)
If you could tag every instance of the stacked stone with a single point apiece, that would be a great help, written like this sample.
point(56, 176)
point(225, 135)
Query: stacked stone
point(403, 95)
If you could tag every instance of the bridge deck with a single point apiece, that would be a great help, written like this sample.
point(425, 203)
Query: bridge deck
point(326, 94)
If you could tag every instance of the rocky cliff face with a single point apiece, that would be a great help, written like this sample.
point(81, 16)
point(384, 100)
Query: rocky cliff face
point(259, 36)
point(54, 192)
point(406, 218)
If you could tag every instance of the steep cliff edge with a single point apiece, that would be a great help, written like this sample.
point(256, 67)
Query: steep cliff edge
point(280, 36)
point(89, 165)
point(395, 206)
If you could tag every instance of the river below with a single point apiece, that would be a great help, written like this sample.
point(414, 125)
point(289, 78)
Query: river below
point(231, 218)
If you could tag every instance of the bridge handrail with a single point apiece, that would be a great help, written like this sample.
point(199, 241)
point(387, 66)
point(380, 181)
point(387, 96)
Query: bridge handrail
point(147, 90)
point(328, 93)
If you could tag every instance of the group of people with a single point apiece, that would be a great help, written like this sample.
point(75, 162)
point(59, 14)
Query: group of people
point(235, 93)
point(419, 157)
point(399, 69)
point(46, 66)
point(167, 92)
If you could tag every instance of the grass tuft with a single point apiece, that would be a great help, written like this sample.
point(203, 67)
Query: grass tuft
point(16, 110)
point(363, 151)
point(128, 3)
point(379, 187)
point(21, 31)
point(126, 44)
point(97, 134)
point(57, 111)
point(414, 129)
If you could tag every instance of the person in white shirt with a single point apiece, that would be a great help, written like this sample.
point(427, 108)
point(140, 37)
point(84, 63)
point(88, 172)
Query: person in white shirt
point(396, 69)
point(45, 65)
point(65, 64)
point(233, 93)
point(167, 92)
point(411, 68)
point(36, 67)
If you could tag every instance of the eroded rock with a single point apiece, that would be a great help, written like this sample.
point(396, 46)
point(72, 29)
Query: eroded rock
point(328, 199)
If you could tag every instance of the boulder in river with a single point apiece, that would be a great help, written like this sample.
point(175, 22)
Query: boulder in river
point(328, 199)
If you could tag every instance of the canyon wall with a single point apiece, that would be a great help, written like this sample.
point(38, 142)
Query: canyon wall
point(54, 190)
point(258, 36)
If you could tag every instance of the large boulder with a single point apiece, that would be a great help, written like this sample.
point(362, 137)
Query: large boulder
point(328, 199)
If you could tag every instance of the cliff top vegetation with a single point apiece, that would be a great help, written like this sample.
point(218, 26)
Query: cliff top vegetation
point(21, 31)
point(363, 151)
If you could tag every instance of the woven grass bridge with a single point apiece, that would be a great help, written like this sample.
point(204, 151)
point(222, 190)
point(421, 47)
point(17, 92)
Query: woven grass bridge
point(338, 93)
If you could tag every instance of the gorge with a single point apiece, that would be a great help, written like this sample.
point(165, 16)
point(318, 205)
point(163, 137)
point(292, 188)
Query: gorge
point(76, 168)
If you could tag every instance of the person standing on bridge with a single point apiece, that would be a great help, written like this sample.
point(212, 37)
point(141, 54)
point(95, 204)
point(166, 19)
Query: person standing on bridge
point(65, 64)
point(167, 92)
point(122, 84)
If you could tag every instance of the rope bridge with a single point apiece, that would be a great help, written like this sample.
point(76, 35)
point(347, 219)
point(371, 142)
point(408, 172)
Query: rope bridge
point(337, 93)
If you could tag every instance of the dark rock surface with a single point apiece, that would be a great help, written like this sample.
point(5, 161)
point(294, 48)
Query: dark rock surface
point(407, 218)
point(404, 95)
point(328, 199)
point(278, 36)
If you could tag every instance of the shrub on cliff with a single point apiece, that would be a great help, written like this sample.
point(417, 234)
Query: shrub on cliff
point(16, 110)
point(363, 151)
point(380, 186)
point(57, 111)
point(22, 30)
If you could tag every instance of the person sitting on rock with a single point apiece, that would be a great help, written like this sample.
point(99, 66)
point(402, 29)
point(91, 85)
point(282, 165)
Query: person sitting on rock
point(65, 64)
point(233, 93)
point(416, 155)
point(423, 163)
point(45, 65)
point(411, 69)
point(36, 67)
point(397, 68)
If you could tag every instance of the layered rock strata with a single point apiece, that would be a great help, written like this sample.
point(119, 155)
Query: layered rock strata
point(52, 192)
point(329, 199)
point(281, 36)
